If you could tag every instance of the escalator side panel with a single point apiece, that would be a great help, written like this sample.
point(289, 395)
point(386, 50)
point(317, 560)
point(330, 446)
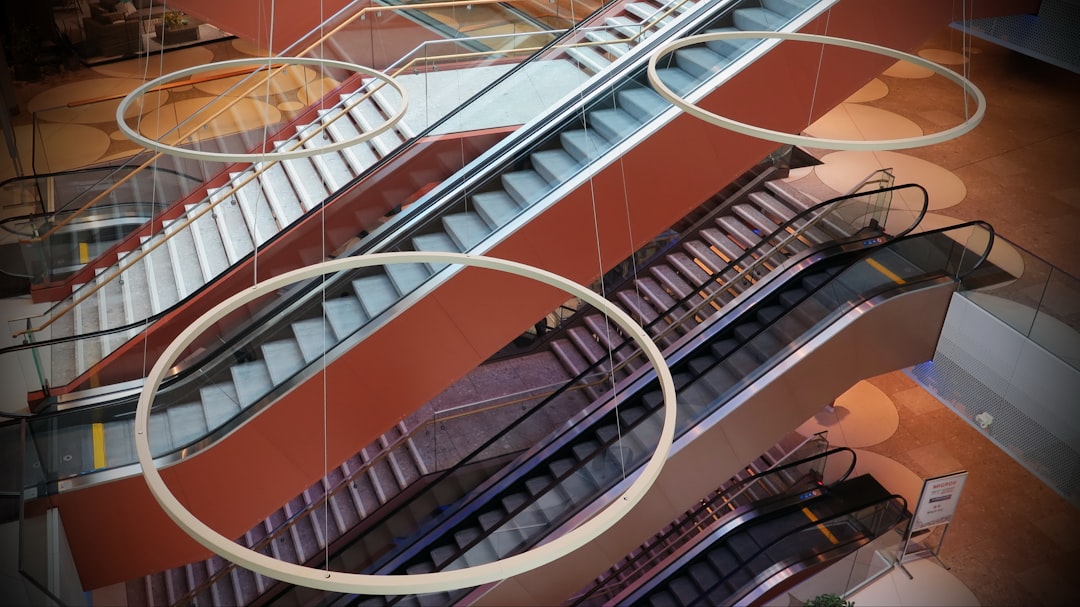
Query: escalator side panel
point(874, 339)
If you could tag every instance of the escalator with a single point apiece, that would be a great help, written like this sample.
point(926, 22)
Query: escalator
point(772, 542)
point(204, 244)
point(517, 179)
point(560, 480)
point(504, 193)
point(768, 246)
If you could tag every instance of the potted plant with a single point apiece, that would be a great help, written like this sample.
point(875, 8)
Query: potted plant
point(173, 20)
point(828, 600)
point(174, 28)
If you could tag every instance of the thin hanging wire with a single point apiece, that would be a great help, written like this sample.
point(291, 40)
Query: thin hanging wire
point(265, 134)
point(965, 54)
point(603, 286)
point(322, 220)
point(817, 75)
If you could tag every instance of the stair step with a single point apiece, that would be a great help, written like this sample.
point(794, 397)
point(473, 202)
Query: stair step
point(758, 19)
point(220, 404)
point(583, 145)
point(642, 103)
point(611, 43)
point(182, 258)
point(360, 156)
point(283, 359)
point(314, 337)
point(677, 80)
point(613, 124)
point(376, 293)
point(331, 166)
point(208, 243)
point(624, 25)
point(526, 187)
point(466, 229)
point(368, 116)
point(187, 422)
point(556, 166)
point(787, 8)
point(700, 61)
point(730, 48)
point(344, 315)
point(436, 241)
point(252, 381)
point(230, 221)
point(588, 58)
point(496, 208)
point(407, 276)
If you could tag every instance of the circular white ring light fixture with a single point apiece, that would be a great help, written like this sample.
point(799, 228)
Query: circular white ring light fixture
point(417, 583)
point(829, 144)
point(299, 152)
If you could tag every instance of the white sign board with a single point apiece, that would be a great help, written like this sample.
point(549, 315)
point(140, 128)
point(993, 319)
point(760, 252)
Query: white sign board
point(937, 502)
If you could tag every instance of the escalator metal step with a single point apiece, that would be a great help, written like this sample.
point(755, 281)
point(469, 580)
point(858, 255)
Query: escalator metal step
point(496, 208)
point(642, 103)
point(700, 62)
point(556, 166)
point(583, 145)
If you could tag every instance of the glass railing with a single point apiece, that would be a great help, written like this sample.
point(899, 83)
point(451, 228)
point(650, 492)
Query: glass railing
point(938, 256)
point(477, 112)
point(1035, 298)
point(300, 309)
point(800, 472)
point(87, 235)
point(803, 545)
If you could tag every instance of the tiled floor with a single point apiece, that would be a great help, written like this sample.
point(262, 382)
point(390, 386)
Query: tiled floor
point(1014, 541)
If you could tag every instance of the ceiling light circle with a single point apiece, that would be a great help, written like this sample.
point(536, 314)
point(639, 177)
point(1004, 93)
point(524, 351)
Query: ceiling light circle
point(829, 144)
point(418, 583)
point(299, 151)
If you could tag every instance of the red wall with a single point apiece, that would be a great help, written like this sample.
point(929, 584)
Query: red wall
point(115, 530)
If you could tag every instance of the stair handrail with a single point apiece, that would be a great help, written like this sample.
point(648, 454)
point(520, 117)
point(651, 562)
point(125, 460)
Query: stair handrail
point(384, 452)
point(359, 15)
point(480, 449)
point(87, 292)
point(885, 502)
point(594, 368)
point(709, 298)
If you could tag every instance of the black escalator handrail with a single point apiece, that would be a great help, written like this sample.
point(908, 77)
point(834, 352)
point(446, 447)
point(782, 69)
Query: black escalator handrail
point(499, 479)
point(720, 497)
point(899, 501)
point(25, 219)
point(591, 91)
point(707, 539)
point(110, 170)
point(808, 215)
point(991, 236)
point(714, 277)
point(433, 198)
point(868, 295)
point(563, 434)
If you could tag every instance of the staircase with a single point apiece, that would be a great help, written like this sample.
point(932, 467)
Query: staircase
point(212, 235)
point(299, 531)
point(723, 259)
point(232, 387)
point(264, 198)
point(542, 493)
